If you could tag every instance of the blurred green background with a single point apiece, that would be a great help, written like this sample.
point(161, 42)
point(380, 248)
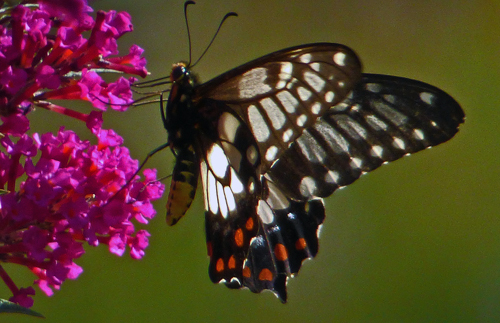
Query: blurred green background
point(415, 241)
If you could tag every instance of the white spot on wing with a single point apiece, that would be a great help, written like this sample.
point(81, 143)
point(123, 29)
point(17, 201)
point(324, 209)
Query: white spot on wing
point(311, 149)
point(265, 213)
point(427, 97)
point(203, 174)
point(353, 129)
point(252, 155)
point(314, 81)
point(388, 112)
point(217, 160)
point(418, 134)
point(287, 135)
point(399, 143)
point(291, 83)
point(315, 66)
point(332, 177)
point(231, 202)
point(377, 151)
point(304, 94)
point(222, 201)
point(285, 74)
point(258, 124)
point(356, 162)
point(212, 194)
point(236, 185)
point(252, 83)
point(301, 120)
point(305, 58)
point(228, 125)
point(316, 108)
point(276, 199)
point(288, 101)
point(332, 137)
point(271, 153)
point(329, 96)
point(318, 231)
point(373, 87)
point(286, 69)
point(307, 186)
point(274, 113)
point(339, 58)
point(251, 185)
point(390, 98)
point(376, 123)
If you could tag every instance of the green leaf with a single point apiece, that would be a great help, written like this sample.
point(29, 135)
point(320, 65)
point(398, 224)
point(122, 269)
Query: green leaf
point(9, 307)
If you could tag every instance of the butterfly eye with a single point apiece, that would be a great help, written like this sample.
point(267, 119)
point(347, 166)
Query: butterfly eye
point(178, 72)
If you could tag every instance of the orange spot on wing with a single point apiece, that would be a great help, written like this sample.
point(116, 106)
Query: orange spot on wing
point(238, 237)
point(266, 274)
point(301, 244)
point(249, 224)
point(220, 265)
point(231, 264)
point(281, 252)
point(247, 272)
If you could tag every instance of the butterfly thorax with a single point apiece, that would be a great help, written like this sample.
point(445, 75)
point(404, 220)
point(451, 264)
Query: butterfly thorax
point(180, 115)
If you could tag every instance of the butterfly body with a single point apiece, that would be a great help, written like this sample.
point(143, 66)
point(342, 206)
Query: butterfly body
point(272, 137)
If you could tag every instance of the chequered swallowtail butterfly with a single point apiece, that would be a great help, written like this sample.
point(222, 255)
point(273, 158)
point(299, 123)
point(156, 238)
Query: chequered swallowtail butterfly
point(271, 138)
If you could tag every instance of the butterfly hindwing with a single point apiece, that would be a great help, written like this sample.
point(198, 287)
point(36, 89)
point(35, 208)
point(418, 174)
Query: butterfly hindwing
point(288, 234)
point(231, 187)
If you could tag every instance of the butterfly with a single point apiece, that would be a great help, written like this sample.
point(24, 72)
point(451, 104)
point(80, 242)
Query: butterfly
point(272, 137)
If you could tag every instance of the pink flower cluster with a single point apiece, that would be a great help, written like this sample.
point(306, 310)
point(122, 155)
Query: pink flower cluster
point(58, 192)
point(45, 56)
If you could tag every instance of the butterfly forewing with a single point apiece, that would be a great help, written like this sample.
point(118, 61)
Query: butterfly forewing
point(281, 94)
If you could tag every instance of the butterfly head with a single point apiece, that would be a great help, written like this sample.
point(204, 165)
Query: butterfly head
point(181, 75)
point(179, 72)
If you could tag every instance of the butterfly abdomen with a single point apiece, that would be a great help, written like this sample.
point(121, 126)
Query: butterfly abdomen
point(183, 185)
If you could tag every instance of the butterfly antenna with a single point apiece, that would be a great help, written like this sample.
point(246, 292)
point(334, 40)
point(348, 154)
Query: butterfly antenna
point(186, 4)
point(230, 14)
point(152, 83)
